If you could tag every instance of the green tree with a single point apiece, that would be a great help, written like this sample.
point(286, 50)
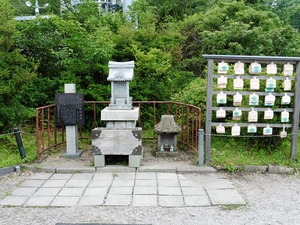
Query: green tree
point(15, 72)
point(288, 11)
point(156, 49)
point(73, 48)
point(178, 9)
point(237, 29)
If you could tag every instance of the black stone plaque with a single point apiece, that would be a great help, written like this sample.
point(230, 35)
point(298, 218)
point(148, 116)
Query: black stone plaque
point(69, 109)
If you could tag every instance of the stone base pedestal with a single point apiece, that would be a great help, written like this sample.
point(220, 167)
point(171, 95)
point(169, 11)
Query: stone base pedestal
point(120, 119)
point(99, 160)
point(134, 161)
point(72, 155)
point(108, 114)
point(167, 154)
point(107, 141)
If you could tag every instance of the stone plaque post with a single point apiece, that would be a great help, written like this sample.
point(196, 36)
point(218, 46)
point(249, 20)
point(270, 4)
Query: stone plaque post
point(71, 132)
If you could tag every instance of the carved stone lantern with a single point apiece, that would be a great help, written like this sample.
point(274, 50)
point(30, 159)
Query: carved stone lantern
point(167, 130)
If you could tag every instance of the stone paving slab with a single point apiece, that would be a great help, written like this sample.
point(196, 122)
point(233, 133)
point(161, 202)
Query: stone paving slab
point(145, 176)
point(124, 189)
point(189, 183)
point(123, 183)
point(121, 190)
point(40, 201)
point(54, 183)
point(61, 176)
point(77, 183)
point(24, 191)
point(150, 190)
point(65, 201)
point(33, 183)
point(124, 176)
point(167, 176)
point(103, 176)
point(71, 191)
point(47, 191)
point(82, 176)
point(97, 200)
point(218, 184)
point(41, 176)
point(169, 191)
point(155, 168)
point(168, 183)
point(96, 191)
point(114, 169)
point(145, 183)
point(14, 200)
point(118, 200)
point(171, 201)
point(144, 200)
point(225, 197)
point(100, 183)
point(194, 201)
point(193, 191)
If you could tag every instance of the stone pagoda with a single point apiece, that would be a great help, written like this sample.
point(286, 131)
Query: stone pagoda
point(120, 136)
point(167, 130)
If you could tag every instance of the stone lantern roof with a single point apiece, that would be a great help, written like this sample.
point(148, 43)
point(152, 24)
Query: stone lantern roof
point(120, 71)
point(168, 125)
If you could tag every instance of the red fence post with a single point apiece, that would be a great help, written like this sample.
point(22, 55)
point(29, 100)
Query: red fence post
point(188, 126)
point(185, 117)
point(139, 121)
point(95, 114)
point(55, 129)
point(154, 118)
point(37, 133)
point(48, 127)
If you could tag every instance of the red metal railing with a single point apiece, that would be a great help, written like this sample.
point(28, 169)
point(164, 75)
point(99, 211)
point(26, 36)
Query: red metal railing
point(189, 117)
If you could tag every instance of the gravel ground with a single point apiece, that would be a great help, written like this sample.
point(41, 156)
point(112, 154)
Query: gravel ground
point(271, 199)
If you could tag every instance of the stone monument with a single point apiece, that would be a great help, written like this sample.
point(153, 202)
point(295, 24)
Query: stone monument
point(120, 136)
point(70, 113)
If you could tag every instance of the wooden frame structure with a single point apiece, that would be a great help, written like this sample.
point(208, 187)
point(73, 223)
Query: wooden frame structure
point(211, 91)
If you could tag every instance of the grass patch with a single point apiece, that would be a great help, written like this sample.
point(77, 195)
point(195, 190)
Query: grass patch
point(229, 152)
point(9, 152)
point(231, 207)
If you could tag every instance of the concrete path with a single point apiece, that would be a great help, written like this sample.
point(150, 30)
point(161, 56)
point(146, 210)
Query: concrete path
point(123, 189)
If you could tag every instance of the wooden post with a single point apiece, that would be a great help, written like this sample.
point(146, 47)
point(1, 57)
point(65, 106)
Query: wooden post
point(296, 114)
point(209, 110)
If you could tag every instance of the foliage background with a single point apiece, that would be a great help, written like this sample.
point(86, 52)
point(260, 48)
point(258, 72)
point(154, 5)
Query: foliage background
point(165, 39)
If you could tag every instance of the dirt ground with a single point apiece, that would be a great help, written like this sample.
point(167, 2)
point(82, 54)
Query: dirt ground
point(185, 157)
